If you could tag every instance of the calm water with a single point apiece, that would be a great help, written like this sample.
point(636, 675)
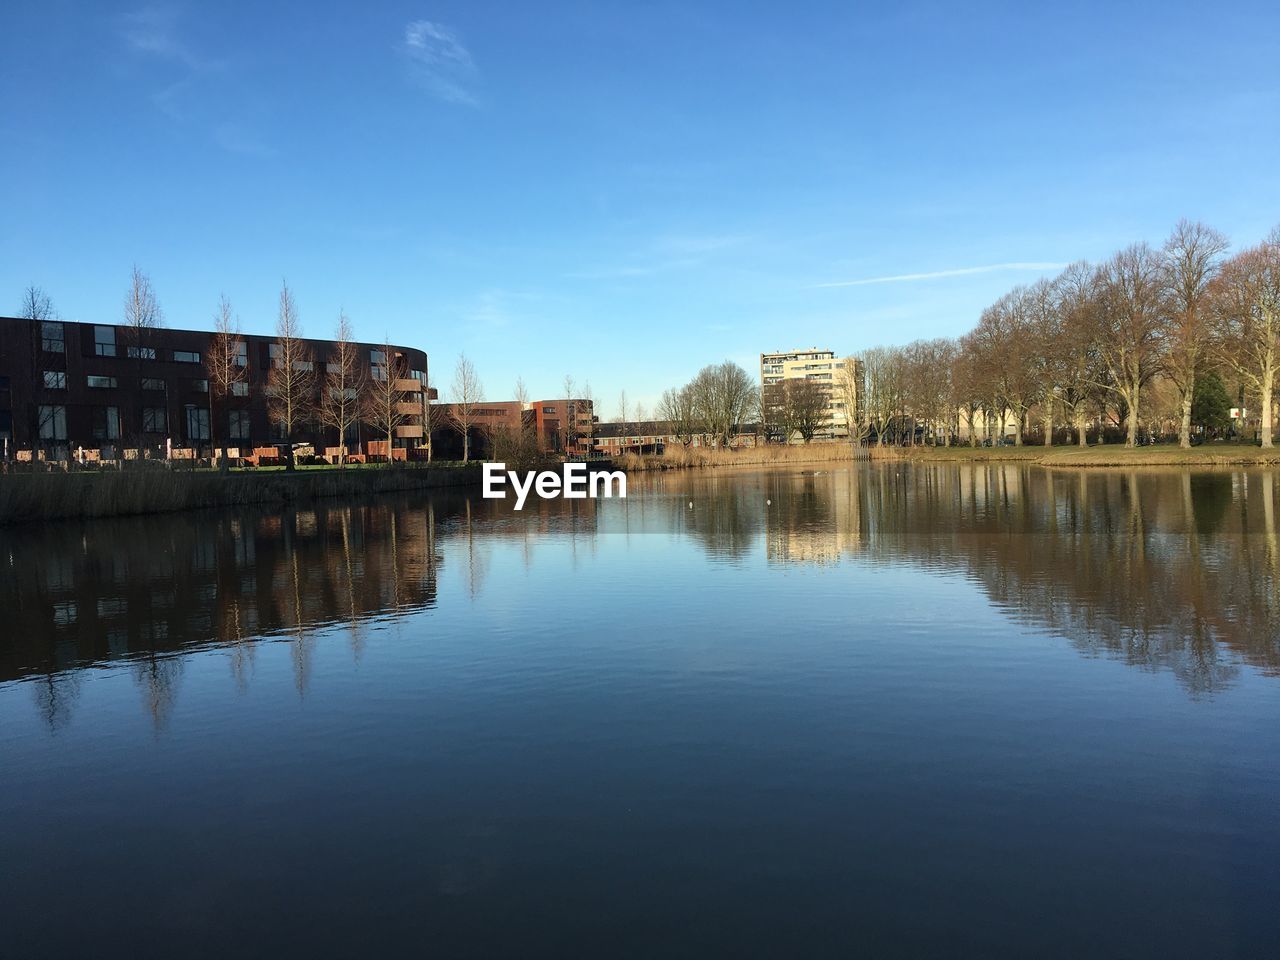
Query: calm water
point(881, 711)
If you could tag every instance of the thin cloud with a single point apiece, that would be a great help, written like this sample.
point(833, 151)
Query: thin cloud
point(440, 62)
point(153, 31)
point(938, 274)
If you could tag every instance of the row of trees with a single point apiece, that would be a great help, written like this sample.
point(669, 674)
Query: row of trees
point(1097, 343)
point(337, 392)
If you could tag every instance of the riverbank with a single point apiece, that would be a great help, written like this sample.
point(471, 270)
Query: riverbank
point(1104, 455)
point(701, 458)
point(38, 497)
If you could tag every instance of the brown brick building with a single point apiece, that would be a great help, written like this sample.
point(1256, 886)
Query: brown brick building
point(560, 425)
point(65, 386)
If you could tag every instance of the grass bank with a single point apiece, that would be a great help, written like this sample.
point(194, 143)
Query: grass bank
point(1102, 455)
point(37, 497)
point(698, 458)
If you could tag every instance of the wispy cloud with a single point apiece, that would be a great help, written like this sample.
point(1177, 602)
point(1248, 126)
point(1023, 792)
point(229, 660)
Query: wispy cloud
point(153, 31)
point(200, 91)
point(440, 62)
point(938, 274)
point(666, 253)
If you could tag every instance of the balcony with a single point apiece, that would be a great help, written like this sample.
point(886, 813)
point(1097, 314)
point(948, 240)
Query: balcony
point(412, 432)
point(407, 385)
point(411, 408)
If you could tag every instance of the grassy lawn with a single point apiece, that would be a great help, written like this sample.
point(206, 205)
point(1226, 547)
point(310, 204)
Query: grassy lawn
point(1106, 455)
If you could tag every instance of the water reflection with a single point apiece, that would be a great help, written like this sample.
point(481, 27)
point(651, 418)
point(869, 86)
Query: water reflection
point(1164, 570)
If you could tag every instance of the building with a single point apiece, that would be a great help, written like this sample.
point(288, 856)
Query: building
point(66, 388)
point(823, 368)
point(560, 426)
point(654, 436)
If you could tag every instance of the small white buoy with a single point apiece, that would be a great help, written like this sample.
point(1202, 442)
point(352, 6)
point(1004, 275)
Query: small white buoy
point(768, 503)
point(690, 504)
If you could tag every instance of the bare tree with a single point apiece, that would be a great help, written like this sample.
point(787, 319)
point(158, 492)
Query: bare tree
point(291, 380)
point(37, 307)
point(142, 315)
point(142, 311)
point(1246, 320)
point(384, 401)
point(883, 377)
point(724, 396)
point(848, 391)
point(1072, 342)
point(1127, 332)
point(1189, 262)
point(226, 370)
point(570, 425)
point(468, 393)
point(624, 418)
point(677, 408)
point(806, 407)
point(342, 394)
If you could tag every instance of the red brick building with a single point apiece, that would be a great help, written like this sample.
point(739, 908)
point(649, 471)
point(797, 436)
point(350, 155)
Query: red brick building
point(65, 386)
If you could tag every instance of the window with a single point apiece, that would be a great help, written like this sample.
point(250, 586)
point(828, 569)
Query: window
point(106, 423)
point(104, 341)
point(154, 420)
point(197, 423)
point(377, 358)
point(186, 356)
point(55, 380)
point(241, 352)
point(152, 383)
point(51, 337)
point(548, 409)
point(240, 389)
point(238, 427)
point(200, 386)
point(53, 423)
point(102, 383)
point(141, 353)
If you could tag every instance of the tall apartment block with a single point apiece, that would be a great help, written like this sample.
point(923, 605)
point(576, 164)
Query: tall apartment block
point(823, 368)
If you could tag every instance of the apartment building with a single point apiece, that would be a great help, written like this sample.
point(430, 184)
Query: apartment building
point(826, 370)
point(69, 387)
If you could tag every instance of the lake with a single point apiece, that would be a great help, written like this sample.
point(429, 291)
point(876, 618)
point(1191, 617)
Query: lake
point(873, 709)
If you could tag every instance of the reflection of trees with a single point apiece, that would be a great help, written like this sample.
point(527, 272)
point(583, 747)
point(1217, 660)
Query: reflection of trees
point(55, 694)
point(159, 676)
point(1150, 567)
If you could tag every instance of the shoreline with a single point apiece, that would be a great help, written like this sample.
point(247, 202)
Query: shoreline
point(1097, 455)
point(90, 495)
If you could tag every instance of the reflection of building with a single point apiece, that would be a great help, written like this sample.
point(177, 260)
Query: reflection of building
point(67, 385)
point(825, 371)
point(814, 518)
point(155, 586)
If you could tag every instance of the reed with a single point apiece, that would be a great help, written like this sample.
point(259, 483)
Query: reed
point(38, 497)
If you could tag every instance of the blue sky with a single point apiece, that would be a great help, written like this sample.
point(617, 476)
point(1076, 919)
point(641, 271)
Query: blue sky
point(618, 191)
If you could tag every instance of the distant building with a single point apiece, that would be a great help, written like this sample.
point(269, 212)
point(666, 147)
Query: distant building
point(821, 367)
point(560, 426)
point(69, 387)
point(654, 436)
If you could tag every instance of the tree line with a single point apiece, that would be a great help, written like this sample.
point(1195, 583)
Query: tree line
point(1144, 333)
